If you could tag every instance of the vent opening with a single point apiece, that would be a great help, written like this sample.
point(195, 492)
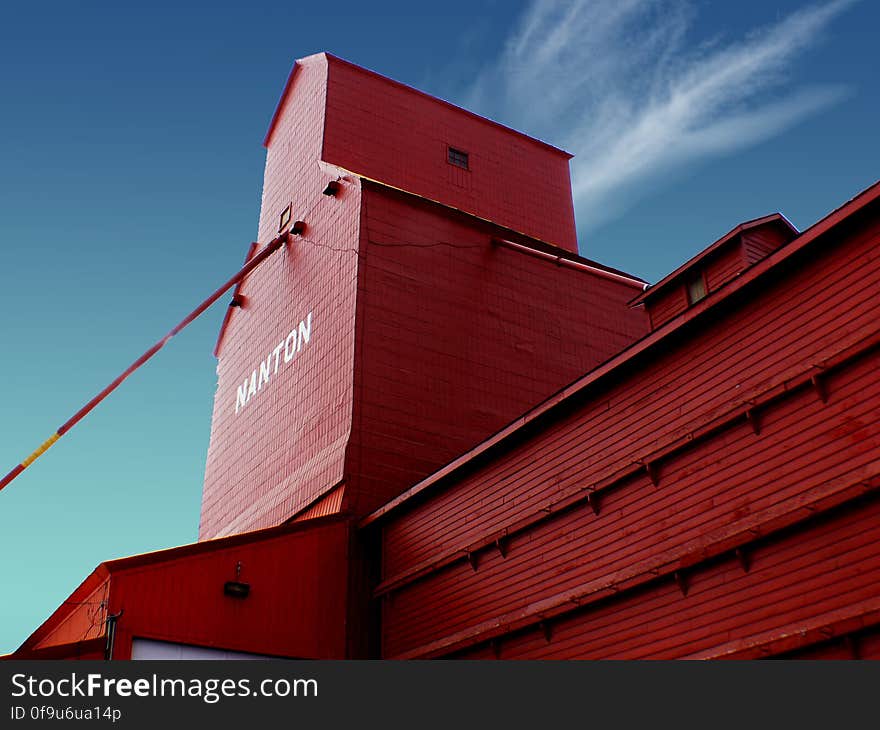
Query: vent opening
point(696, 288)
point(459, 158)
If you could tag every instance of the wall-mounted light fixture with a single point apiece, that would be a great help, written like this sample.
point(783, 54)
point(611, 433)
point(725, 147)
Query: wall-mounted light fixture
point(333, 188)
point(237, 588)
point(298, 228)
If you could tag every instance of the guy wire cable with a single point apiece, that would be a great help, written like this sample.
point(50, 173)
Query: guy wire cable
point(270, 248)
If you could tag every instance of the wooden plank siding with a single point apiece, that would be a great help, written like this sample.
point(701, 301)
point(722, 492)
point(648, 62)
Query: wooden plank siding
point(727, 264)
point(760, 242)
point(680, 407)
point(668, 305)
point(298, 605)
point(456, 336)
point(719, 264)
point(833, 562)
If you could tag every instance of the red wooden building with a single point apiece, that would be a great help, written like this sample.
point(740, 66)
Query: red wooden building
point(438, 431)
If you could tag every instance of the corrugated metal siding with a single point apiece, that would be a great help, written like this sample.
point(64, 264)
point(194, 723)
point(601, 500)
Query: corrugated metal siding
point(819, 307)
point(457, 337)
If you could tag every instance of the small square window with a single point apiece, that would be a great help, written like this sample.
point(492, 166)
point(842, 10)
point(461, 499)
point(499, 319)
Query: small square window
point(284, 219)
point(457, 158)
point(696, 288)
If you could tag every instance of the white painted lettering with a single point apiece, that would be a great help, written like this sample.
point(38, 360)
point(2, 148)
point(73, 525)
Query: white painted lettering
point(305, 332)
point(289, 350)
point(264, 372)
point(294, 342)
point(241, 395)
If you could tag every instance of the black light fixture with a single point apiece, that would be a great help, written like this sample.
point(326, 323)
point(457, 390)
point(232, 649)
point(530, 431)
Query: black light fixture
point(333, 188)
point(298, 227)
point(237, 588)
point(237, 301)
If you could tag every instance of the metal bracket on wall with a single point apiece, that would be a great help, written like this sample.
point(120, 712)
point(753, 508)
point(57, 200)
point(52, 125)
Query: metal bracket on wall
point(472, 559)
point(820, 386)
point(852, 644)
point(593, 501)
point(681, 582)
point(752, 418)
point(546, 630)
point(496, 647)
point(110, 633)
point(743, 558)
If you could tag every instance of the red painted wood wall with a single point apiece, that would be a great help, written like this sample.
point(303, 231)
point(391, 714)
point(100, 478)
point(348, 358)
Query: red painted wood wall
point(711, 491)
point(425, 337)
point(718, 266)
point(286, 447)
point(298, 604)
point(734, 467)
point(387, 131)
point(458, 336)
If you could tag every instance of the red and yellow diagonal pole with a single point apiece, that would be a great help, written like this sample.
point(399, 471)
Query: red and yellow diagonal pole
point(253, 263)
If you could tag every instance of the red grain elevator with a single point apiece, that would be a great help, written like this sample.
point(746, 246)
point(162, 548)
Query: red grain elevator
point(439, 431)
point(434, 293)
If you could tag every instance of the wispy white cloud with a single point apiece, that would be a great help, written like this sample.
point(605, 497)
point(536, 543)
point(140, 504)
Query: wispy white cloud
point(621, 84)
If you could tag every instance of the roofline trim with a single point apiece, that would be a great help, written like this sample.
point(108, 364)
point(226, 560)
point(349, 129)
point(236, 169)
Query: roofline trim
point(277, 113)
point(88, 586)
point(219, 543)
point(70, 650)
point(852, 206)
point(573, 263)
point(553, 249)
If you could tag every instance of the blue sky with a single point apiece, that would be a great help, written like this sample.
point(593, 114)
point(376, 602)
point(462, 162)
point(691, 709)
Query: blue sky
point(130, 174)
